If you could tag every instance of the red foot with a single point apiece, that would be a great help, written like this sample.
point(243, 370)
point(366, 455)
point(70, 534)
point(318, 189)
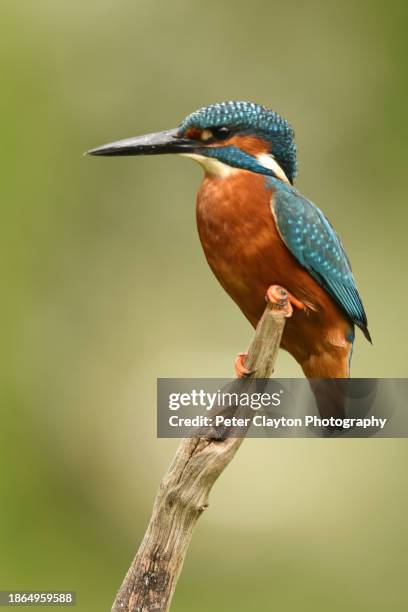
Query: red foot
point(240, 368)
point(281, 297)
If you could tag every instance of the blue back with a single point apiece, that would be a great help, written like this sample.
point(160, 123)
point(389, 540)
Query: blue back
point(312, 240)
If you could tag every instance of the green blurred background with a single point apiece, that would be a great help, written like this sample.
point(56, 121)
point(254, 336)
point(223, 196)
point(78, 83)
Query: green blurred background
point(106, 288)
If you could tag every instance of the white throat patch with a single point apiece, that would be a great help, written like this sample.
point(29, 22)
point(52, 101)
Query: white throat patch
point(220, 170)
point(212, 166)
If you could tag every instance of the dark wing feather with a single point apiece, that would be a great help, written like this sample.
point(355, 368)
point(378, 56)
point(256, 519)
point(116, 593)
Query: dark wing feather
point(312, 240)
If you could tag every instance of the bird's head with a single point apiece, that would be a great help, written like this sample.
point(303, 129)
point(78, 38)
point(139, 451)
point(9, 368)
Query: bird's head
point(223, 137)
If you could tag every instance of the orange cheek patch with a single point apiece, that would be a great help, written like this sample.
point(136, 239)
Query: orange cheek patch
point(250, 144)
point(193, 133)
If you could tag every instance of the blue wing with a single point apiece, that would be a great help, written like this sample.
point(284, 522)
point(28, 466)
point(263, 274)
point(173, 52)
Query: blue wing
point(312, 240)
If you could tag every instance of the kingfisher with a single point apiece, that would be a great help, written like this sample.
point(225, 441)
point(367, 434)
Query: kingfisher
point(261, 237)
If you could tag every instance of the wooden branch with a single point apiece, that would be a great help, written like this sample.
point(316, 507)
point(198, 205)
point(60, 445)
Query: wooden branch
point(183, 493)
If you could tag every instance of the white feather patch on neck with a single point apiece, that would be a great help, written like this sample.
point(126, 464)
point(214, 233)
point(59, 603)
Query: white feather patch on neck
point(268, 161)
point(212, 166)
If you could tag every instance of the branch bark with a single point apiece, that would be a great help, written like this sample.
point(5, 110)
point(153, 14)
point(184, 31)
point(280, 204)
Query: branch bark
point(184, 491)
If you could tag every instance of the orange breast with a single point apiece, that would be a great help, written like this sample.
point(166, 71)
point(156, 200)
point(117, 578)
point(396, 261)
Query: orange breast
point(247, 255)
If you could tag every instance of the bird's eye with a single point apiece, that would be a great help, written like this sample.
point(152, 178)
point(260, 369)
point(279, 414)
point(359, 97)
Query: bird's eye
point(221, 133)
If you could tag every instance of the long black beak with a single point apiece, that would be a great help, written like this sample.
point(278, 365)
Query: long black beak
point(169, 141)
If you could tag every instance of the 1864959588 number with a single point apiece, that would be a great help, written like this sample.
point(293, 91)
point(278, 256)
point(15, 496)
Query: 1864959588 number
point(37, 598)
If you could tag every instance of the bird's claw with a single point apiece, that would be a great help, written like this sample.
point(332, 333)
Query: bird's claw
point(281, 297)
point(240, 368)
